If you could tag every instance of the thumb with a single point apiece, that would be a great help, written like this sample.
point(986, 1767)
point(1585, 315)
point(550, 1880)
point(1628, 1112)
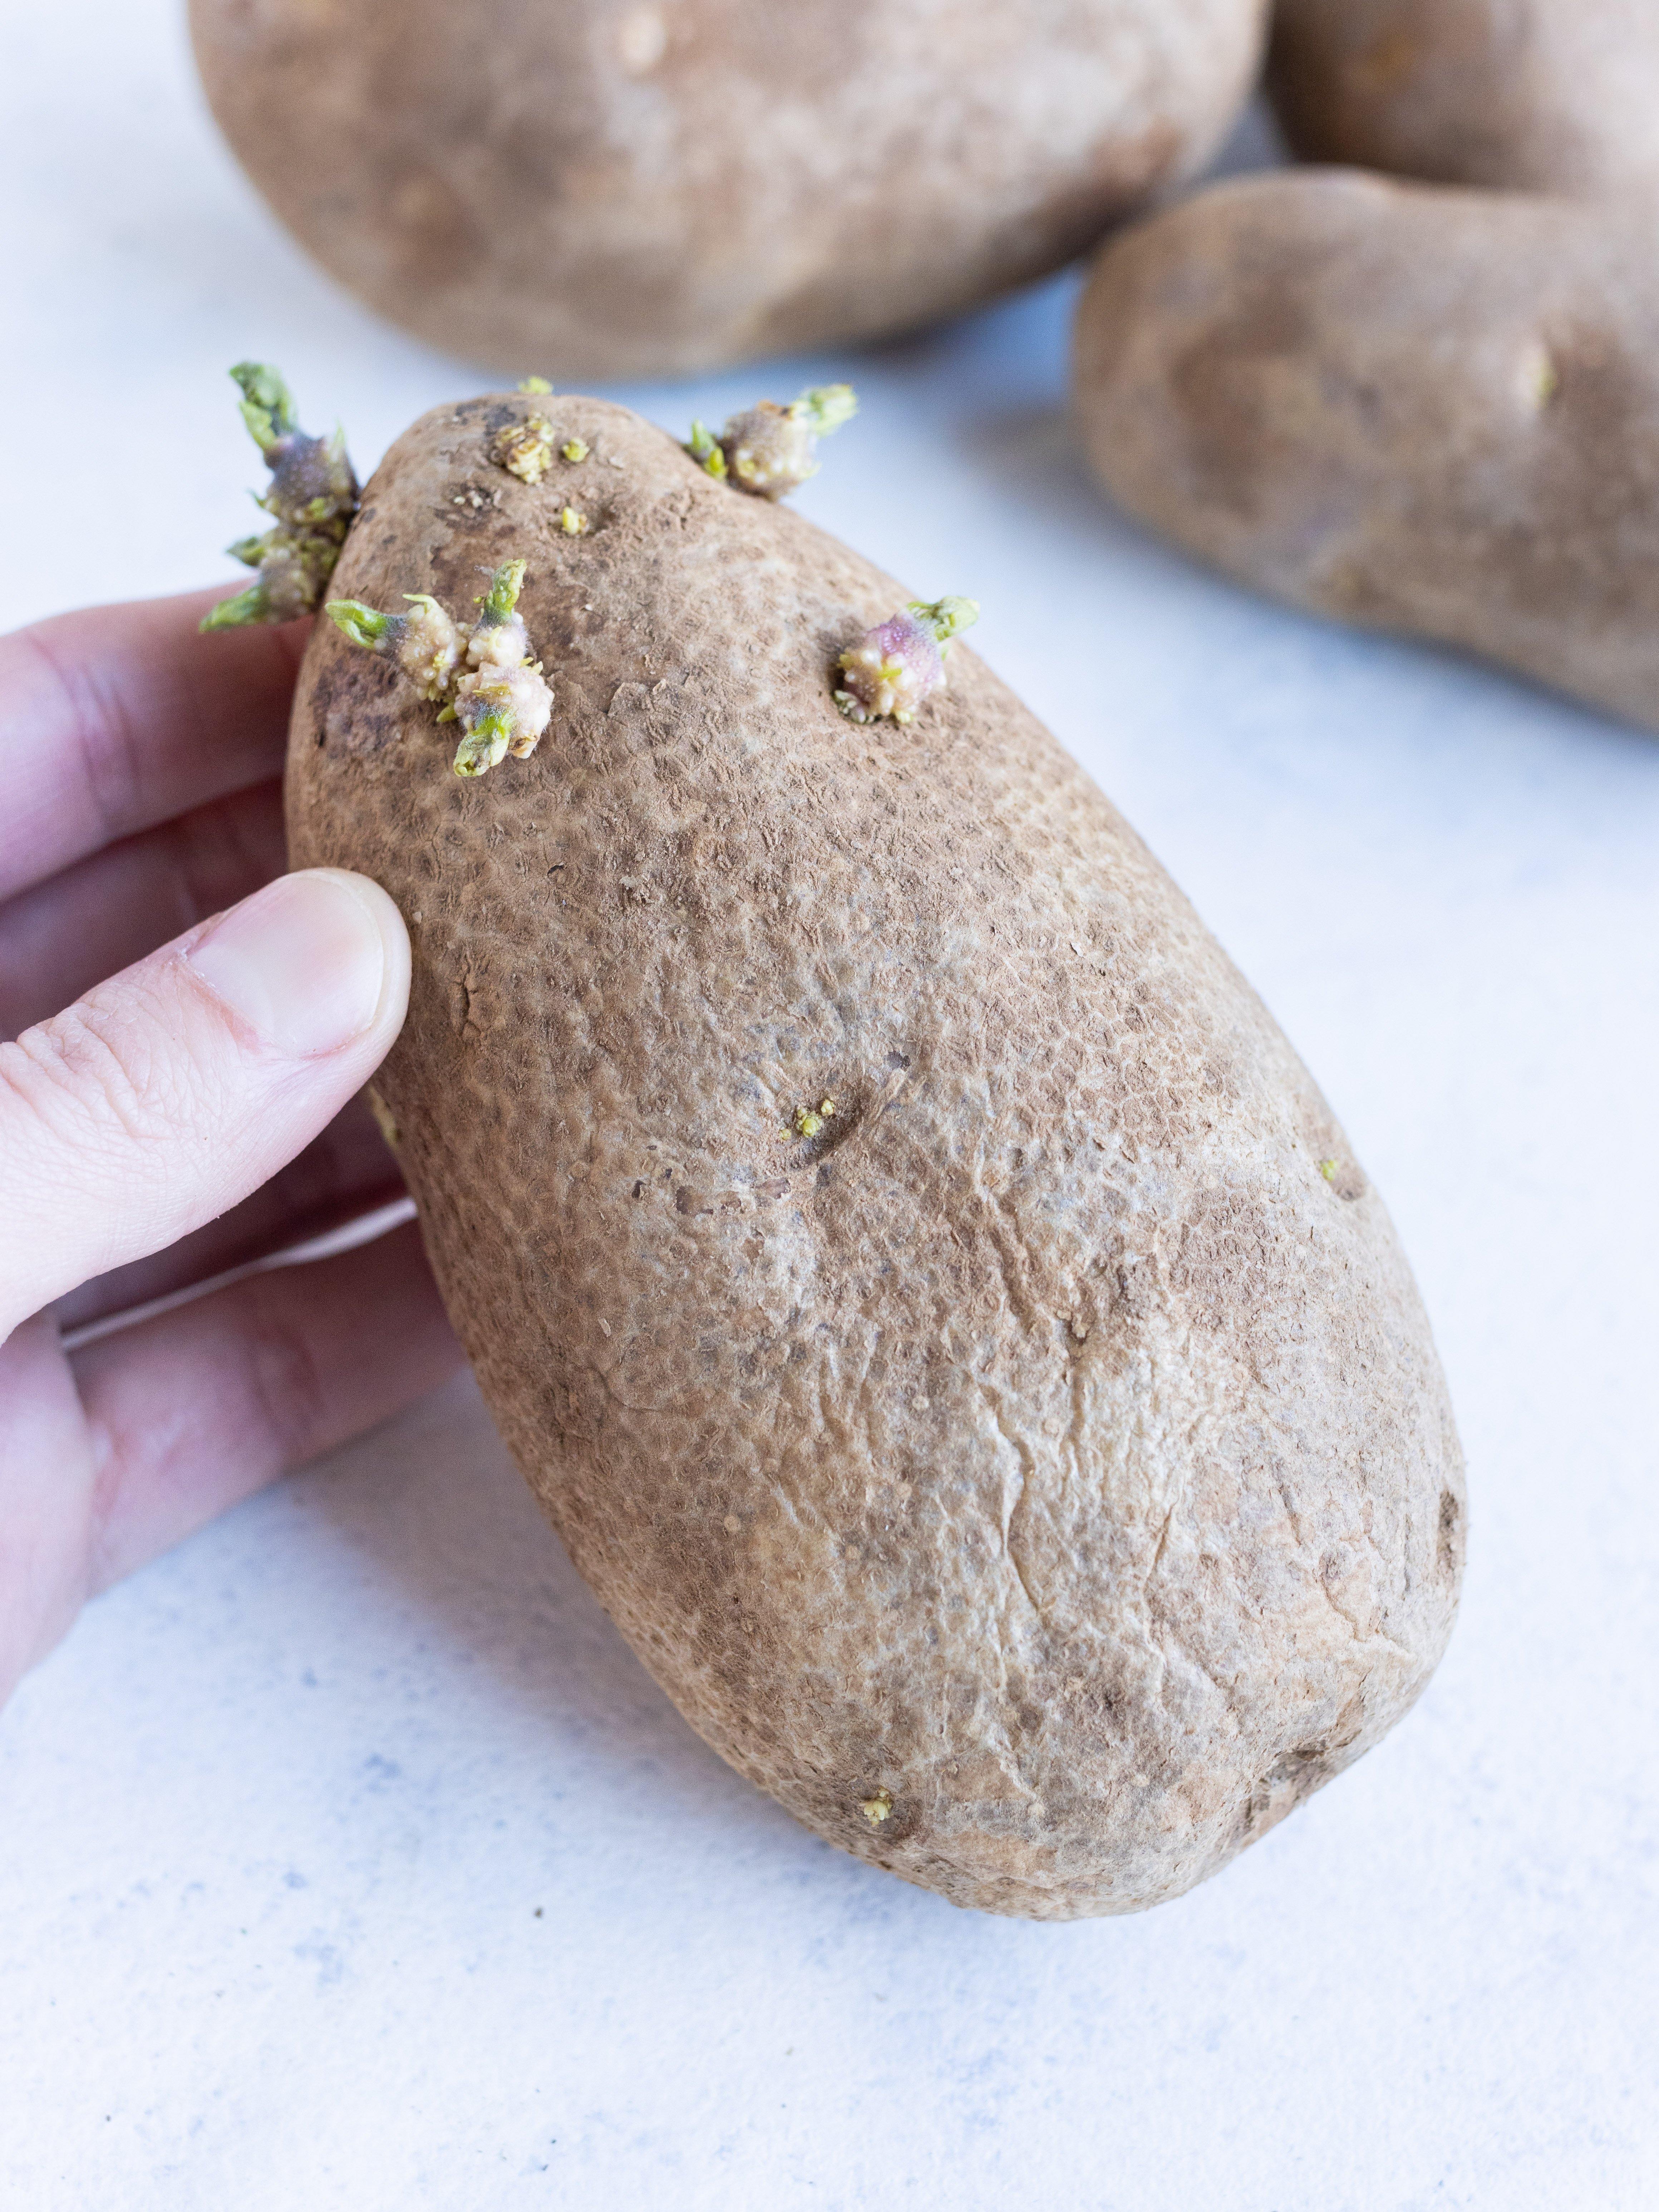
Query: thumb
point(170, 1092)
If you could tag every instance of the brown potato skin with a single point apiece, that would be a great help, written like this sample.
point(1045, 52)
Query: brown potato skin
point(1415, 409)
point(1051, 1444)
point(602, 188)
point(1545, 95)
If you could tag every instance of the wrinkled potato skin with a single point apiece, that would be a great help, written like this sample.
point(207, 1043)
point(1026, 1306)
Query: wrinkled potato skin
point(600, 188)
point(1545, 95)
point(1419, 410)
point(1050, 1443)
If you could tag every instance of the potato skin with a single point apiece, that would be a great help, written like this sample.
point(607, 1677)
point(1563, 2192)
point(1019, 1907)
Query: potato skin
point(1547, 96)
point(1052, 1445)
point(600, 188)
point(1415, 409)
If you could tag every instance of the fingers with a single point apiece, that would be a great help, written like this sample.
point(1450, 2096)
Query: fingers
point(343, 1174)
point(175, 1420)
point(112, 908)
point(167, 1094)
point(192, 1411)
point(117, 718)
point(48, 1481)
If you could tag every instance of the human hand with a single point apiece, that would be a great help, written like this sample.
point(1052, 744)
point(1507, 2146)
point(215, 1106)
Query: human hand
point(166, 1127)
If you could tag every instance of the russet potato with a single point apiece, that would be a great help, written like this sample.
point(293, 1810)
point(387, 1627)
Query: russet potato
point(1545, 95)
point(936, 1309)
point(1419, 409)
point(603, 188)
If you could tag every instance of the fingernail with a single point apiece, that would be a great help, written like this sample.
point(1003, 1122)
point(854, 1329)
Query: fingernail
point(303, 961)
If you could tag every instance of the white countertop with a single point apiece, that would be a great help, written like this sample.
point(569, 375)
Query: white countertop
point(351, 1861)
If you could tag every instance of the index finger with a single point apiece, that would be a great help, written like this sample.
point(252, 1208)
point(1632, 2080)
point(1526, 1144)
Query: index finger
point(113, 718)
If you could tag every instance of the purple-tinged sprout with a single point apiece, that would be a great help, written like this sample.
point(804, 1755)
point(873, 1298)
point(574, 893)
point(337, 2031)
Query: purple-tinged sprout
point(311, 480)
point(895, 667)
point(503, 702)
point(424, 643)
point(312, 494)
point(770, 450)
point(503, 710)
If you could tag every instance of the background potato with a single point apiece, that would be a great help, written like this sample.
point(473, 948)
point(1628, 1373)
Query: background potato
point(622, 187)
point(1039, 1479)
point(1433, 411)
point(1558, 95)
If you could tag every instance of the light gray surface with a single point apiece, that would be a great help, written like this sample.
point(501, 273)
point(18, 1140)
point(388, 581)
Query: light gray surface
point(278, 1817)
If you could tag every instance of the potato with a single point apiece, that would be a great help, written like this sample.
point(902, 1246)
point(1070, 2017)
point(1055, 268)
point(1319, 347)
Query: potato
point(597, 189)
point(1553, 95)
point(1416, 410)
point(940, 1314)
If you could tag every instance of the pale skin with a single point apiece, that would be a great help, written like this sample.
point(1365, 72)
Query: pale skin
point(178, 1081)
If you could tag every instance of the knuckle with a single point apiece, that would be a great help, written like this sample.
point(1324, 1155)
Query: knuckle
point(90, 1077)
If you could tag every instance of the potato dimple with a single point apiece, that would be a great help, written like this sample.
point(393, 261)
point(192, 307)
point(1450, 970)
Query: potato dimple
point(1042, 1443)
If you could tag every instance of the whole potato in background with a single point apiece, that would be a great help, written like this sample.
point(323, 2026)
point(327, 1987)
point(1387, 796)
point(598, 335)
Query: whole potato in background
point(1427, 410)
point(1553, 95)
point(605, 188)
point(1036, 1471)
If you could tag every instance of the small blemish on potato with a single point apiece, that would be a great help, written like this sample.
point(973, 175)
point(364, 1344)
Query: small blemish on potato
point(641, 40)
point(1537, 380)
point(383, 1116)
point(1387, 62)
point(733, 1525)
point(605, 1327)
point(437, 230)
point(878, 1807)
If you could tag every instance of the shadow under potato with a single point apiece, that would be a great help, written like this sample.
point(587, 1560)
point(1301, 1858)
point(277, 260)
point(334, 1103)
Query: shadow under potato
point(436, 1504)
